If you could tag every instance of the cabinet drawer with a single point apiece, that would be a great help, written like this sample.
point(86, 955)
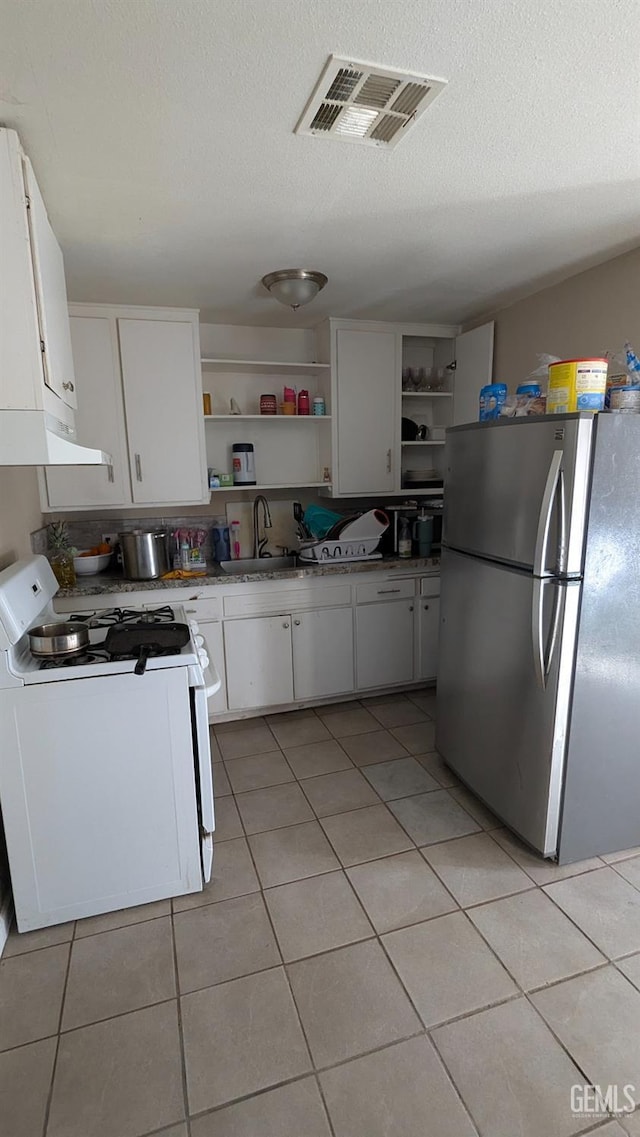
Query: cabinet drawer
point(385, 590)
point(206, 609)
point(289, 600)
point(430, 586)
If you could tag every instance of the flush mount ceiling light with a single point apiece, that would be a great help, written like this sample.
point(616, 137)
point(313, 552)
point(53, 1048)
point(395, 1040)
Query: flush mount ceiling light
point(365, 103)
point(294, 287)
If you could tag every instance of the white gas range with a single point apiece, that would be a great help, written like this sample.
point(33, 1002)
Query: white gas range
point(105, 775)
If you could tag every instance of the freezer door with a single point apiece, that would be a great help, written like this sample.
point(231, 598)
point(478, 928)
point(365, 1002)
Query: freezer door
point(516, 491)
point(507, 643)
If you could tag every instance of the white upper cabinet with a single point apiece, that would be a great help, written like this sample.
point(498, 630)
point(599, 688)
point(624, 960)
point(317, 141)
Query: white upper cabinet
point(100, 421)
point(140, 398)
point(35, 347)
point(395, 390)
point(474, 369)
point(367, 369)
point(163, 408)
point(51, 292)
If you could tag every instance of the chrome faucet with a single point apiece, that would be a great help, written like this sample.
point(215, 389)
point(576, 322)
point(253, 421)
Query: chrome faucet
point(258, 541)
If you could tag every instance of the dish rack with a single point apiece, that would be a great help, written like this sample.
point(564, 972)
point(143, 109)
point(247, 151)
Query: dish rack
point(346, 550)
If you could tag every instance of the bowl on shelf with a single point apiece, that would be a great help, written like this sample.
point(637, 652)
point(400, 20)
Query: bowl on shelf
point(90, 565)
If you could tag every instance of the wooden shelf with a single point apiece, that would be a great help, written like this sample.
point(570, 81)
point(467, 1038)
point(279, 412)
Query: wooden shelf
point(425, 442)
point(427, 394)
point(264, 365)
point(267, 418)
point(274, 486)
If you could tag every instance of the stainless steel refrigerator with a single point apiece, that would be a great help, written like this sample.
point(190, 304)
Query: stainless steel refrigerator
point(539, 664)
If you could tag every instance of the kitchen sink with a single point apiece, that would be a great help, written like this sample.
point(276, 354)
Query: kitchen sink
point(258, 564)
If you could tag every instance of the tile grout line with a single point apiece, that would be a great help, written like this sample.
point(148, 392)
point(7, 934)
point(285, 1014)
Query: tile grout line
point(183, 1061)
point(54, 1067)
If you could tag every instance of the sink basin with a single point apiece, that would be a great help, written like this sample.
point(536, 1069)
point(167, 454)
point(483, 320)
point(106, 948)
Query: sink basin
point(258, 564)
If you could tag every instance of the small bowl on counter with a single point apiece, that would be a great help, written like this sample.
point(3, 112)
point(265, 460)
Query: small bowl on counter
point(87, 564)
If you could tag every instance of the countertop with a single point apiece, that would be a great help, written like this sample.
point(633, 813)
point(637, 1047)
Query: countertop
point(109, 582)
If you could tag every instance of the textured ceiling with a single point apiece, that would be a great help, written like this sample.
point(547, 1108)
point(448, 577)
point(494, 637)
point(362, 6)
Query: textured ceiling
point(161, 132)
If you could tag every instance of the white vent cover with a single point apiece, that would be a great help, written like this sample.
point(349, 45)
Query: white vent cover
point(361, 102)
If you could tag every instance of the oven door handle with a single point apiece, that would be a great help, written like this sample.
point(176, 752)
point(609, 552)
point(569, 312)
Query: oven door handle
point(205, 778)
point(212, 680)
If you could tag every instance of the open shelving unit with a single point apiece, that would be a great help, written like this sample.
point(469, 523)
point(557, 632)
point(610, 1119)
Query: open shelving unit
point(291, 451)
point(272, 486)
point(425, 442)
point(264, 366)
point(267, 418)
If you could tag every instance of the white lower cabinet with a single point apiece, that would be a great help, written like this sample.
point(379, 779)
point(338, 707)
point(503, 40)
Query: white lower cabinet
point(322, 653)
point(428, 631)
point(259, 662)
point(385, 643)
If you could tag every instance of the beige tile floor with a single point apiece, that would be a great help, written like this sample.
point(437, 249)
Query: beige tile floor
point(375, 957)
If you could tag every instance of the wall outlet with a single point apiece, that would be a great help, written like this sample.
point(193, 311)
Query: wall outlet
point(110, 539)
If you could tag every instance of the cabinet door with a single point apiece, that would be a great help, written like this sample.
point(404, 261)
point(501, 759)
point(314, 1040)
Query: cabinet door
point(164, 411)
point(211, 631)
point(259, 665)
point(322, 652)
point(51, 293)
point(384, 639)
point(99, 420)
point(474, 369)
point(367, 387)
point(429, 626)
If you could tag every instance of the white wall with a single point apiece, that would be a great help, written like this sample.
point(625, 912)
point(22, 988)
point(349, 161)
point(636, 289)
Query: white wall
point(585, 315)
point(19, 512)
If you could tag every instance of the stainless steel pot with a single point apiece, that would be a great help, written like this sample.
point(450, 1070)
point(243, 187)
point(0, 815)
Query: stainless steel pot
point(144, 553)
point(63, 638)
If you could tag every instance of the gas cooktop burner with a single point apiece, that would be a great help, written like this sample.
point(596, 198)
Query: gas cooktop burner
point(81, 659)
point(109, 616)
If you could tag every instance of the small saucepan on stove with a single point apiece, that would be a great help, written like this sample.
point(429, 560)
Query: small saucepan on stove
point(62, 638)
point(145, 640)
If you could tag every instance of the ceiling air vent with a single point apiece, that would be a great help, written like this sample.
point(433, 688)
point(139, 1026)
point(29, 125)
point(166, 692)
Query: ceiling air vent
point(361, 102)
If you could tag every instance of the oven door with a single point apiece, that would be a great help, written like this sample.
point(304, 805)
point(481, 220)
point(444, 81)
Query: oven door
point(210, 683)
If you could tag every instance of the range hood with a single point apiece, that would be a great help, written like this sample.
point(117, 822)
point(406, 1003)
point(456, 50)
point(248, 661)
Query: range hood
point(36, 438)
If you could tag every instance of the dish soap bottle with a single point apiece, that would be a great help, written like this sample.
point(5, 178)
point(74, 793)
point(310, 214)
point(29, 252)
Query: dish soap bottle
point(404, 537)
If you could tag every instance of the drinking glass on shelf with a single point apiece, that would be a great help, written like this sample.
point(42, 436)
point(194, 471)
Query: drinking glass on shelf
point(407, 379)
point(420, 379)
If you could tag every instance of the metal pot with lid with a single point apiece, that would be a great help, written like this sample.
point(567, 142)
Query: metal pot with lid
point(144, 553)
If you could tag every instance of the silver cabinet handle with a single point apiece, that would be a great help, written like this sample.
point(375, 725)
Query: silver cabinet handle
point(388, 461)
point(68, 386)
point(297, 623)
point(285, 625)
point(138, 467)
point(110, 477)
point(387, 591)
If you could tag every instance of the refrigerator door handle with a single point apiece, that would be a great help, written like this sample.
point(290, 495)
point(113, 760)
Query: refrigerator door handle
point(537, 632)
point(546, 510)
point(543, 653)
point(553, 631)
point(562, 524)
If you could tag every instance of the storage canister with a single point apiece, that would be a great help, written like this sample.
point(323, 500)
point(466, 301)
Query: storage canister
point(244, 464)
point(268, 405)
point(576, 385)
point(318, 405)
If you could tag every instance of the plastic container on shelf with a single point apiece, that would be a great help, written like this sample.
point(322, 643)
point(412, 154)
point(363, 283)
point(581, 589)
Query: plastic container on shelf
point(244, 464)
point(492, 398)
